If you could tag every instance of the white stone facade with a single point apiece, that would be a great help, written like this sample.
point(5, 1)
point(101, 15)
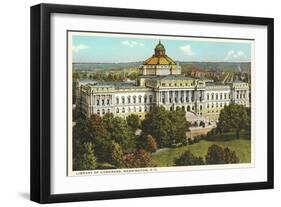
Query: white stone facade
point(161, 84)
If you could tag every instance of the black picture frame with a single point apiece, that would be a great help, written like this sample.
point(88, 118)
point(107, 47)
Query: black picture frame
point(41, 99)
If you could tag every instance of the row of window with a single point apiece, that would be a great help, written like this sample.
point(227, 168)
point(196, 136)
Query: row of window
point(179, 100)
point(216, 105)
point(140, 109)
point(134, 99)
point(214, 111)
point(134, 109)
point(217, 96)
point(103, 102)
point(171, 99)
point(240, 95)
point(177, 84)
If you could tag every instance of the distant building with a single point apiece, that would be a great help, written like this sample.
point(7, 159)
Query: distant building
point(160, 84)
point(203, 73)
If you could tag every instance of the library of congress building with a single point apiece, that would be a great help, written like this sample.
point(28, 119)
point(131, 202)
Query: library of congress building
point(160, 84)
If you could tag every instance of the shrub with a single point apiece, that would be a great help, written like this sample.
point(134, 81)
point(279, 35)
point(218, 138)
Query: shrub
point(218, 155)
point(187, 158)
point(190, 141)
point(196, 139)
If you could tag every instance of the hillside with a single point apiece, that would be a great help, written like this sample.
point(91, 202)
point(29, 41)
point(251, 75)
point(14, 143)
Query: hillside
point(218, 66)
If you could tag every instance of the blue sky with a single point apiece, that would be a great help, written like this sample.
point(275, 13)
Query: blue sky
point(132, 48)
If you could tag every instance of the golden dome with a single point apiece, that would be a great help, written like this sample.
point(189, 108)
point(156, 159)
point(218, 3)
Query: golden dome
point(159, 57)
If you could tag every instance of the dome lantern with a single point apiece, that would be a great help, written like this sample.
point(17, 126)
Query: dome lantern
point(159, 49)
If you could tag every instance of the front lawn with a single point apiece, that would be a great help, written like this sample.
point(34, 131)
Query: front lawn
point(241, 146)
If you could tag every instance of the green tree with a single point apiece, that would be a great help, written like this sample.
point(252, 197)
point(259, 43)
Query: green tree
point(187, 158)
point(100, 138)
point(235, 118)
point(116, 155)
point(215, 155)
point(133, 121)
point(80, 131)
point(140, 158)
point(180, 126)
point(218, 155)
point(147, 142)
point(230, 156)
point(151, 145)
point(96, 126)
point(122, 134)
point(158, 124)
point(85, 158)
point(107, 121)
point(133, 75)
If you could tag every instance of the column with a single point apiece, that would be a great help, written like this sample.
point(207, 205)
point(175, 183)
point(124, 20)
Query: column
point(202, 95)
point(157, 98)
point(91, 103)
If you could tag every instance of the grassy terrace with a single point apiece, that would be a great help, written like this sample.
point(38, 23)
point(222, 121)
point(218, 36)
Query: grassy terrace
point(241, 146)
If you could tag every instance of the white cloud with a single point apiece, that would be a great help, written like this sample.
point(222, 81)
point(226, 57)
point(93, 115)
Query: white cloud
point(187, 50)
point(77, 48)
point(235, 55)
point(132, 43)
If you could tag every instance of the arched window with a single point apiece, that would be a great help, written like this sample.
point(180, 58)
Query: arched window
point(140, 109)
point(208, 96)
point(103, 111)
point(212, 96)
point(123, 110)
point(134, 99)
point(129, 99)
point(145, 99)
point(220, 95)
point(139, 99)
point(123, 99)
point(117, 100)
point(217, 96)
point(150, 98)
point(188, 108)
point(98, 112)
